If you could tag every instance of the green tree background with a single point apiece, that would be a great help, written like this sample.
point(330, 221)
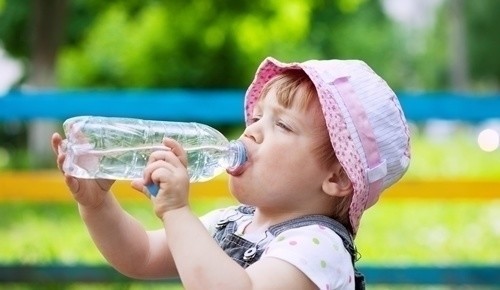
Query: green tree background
point(218, 44)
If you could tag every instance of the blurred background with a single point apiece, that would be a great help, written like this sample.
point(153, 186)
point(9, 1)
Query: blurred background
point(445, 212)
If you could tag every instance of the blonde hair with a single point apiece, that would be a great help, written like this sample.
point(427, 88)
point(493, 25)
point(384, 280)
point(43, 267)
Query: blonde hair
point(295, 89)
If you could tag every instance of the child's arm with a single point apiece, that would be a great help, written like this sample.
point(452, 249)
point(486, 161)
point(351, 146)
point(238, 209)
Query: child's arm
point(124, 242)
point(121, 239)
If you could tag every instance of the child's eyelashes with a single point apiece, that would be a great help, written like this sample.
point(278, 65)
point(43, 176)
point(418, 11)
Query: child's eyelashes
point(254, 120)
point(278, 123)
point(283, 126)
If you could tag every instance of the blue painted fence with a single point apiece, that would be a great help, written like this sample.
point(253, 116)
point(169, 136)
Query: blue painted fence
point(218, 106)
point(380, 275)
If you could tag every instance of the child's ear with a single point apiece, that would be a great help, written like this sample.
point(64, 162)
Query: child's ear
point(337, 183)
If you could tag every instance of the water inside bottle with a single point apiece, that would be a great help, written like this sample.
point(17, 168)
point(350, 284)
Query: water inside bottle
point(128, 163)
point(205, 162)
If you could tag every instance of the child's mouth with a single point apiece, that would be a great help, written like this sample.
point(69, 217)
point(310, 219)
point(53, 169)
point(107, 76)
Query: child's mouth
point(237, 171)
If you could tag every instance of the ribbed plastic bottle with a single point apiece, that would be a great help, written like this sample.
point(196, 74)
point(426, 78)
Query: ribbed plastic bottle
point(119, 148)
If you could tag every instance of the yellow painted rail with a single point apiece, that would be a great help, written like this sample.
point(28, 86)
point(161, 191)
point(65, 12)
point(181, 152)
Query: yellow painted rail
point(49, 186)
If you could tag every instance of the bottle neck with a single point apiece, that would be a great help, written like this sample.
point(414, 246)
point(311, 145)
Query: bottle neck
point(239, 154)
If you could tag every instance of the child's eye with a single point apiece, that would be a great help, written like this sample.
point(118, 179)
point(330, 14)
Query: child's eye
point(254, 120)
point(283, 126)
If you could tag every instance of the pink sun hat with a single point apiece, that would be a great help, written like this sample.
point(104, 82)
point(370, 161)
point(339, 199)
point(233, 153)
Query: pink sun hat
point(364, 118)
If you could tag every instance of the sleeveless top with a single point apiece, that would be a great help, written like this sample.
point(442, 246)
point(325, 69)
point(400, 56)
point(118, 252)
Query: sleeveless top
point(317, 245)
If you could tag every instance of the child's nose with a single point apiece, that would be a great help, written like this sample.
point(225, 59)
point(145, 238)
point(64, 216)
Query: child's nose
point(254, 132)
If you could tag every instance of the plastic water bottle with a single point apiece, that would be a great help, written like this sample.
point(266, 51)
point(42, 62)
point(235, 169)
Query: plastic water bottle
point(119, 148)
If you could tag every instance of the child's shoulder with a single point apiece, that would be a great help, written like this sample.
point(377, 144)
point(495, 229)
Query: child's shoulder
point(313, 234)
point(213, 217)
point(317, 251)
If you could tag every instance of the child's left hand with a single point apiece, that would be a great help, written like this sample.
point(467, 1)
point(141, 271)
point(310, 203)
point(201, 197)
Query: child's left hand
point(168, 170)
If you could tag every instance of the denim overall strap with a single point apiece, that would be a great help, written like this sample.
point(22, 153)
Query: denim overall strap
point(239, 249)
point(320, 220)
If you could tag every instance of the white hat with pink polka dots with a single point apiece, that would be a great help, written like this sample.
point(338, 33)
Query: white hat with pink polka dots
point(366, 124)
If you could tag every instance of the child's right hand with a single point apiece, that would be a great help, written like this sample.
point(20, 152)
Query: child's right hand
point(87, 192)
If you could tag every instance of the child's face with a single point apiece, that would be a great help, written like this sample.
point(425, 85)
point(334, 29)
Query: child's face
point(281, 171)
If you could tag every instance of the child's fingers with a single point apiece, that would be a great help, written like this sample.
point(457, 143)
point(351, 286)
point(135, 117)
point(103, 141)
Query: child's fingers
point(177, 149)
point(138, 184)
point(166, 163)
point(55, 141)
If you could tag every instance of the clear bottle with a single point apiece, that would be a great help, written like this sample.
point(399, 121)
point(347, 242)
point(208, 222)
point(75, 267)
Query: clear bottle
point(119, 148)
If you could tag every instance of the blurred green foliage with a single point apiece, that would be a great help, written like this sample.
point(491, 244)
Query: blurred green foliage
point(484, 40)
point(207, 44)
point(218, 44)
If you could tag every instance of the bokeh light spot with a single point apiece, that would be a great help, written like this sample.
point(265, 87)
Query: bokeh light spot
point(488, 140)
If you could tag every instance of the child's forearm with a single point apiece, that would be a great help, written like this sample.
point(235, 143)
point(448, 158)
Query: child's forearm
point(201, 263)
point(123, 241)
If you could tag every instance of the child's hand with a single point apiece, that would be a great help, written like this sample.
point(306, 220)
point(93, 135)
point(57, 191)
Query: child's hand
point(168, 170)
point(87, 192)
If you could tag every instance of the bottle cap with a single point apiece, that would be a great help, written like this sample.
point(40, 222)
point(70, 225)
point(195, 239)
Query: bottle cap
point(153, 189)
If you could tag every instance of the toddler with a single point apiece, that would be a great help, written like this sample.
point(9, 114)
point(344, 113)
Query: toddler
point(324, 138)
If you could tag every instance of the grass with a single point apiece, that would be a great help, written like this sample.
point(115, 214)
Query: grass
point(431, 232)
point(393, 232)
point(452, 157)
point(42, 233)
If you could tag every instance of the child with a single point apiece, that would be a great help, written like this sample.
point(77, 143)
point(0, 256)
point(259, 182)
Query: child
point(324, 139)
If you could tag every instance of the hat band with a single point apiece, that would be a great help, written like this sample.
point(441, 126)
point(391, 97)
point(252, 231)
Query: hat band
point(377, 168)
